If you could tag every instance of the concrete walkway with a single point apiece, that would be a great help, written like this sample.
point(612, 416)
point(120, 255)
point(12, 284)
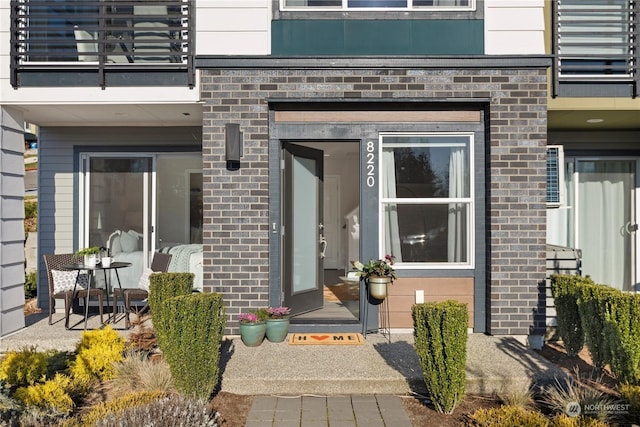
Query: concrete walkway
point(351, 385)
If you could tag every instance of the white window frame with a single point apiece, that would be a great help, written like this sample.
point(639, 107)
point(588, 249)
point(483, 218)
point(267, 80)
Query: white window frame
point(149, 191)
point(470, 201)
point(410, 6)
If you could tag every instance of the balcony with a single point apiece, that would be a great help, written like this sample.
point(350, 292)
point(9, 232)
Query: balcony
point(102, 43)
point(595, 47)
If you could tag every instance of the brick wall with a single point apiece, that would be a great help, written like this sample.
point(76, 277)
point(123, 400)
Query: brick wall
point(236, 201)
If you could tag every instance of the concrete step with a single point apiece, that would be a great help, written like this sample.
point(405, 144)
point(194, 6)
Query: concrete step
point(494, 365)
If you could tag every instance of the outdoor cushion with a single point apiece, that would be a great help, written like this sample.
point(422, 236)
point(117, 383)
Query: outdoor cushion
point(144, 279)
point(65, 280)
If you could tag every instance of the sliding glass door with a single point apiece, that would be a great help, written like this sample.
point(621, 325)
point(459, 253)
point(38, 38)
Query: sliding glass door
point(605, 220)
point(178, 200)
point(135, 204)
point(599, 217)
point(117, 198)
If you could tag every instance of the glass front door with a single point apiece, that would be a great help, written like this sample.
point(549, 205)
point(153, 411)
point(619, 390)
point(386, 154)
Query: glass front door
point(304, 241)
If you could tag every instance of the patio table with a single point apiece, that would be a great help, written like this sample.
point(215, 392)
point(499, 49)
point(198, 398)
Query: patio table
point(92, 271)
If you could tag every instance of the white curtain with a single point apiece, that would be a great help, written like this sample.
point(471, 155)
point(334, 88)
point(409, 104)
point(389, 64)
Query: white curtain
point(456, 235)
point(604, 213)
point(390, 214)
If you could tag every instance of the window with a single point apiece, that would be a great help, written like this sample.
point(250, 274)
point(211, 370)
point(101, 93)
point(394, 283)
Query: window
point(376, 4)
point(426, 202)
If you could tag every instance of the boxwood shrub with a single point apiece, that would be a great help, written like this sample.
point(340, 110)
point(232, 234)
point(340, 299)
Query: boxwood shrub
point(564, 289)
point(622, 334)
point(592, 305)
point(440, 331)
point(195, 325)
point(610, 320)
point(163, 286)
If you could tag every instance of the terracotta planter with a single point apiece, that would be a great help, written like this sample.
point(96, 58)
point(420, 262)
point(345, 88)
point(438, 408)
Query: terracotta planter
point(378, 287)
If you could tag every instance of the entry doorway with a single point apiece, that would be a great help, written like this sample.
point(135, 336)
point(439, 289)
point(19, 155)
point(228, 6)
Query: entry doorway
point(320, 210)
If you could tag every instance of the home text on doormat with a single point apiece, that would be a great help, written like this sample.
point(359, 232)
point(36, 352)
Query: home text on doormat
point(326, 339)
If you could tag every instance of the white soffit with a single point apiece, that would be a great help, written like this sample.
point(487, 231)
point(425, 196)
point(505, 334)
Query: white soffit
point(114, 115)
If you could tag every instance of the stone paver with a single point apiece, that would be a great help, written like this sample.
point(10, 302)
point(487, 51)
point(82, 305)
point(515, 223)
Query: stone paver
point(329, 411)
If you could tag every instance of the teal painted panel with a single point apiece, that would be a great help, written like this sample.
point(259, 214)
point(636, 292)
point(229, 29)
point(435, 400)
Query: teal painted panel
point(377, 37)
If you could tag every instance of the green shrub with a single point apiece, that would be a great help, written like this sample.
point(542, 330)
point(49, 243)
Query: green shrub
point(30, 210)
point(195, 324)
point(30, 216)
point(564, 289)
point(23, 368)
point(622, 333)
point(51, 396)
point(117, 406)
point(593, 308)
point(507, 416)
point(631, 393)
point(564, 420)
point(30, 285)
point(163, 286)
point(169, 411)
point(440, 331)
point(97, 352)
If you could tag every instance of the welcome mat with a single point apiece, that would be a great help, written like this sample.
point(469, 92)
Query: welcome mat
point(326, 339)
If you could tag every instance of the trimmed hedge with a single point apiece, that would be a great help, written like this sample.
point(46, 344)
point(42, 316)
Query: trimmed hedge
point(195, 325)
point(565, 294)
point(610, 320)
point(440, 331)
point(592, 304)
point(163, 286)
point(622, 335)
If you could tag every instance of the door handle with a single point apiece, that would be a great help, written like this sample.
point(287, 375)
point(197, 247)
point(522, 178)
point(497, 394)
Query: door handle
point(630, 228)
point(323, 242)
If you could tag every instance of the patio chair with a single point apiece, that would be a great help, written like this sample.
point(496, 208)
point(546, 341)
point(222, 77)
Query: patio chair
point(87, 45)
point(159, 263)
point(151, 35)
point(63, 286)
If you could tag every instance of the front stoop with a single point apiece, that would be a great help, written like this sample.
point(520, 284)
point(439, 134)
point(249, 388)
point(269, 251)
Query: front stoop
point(494, 365)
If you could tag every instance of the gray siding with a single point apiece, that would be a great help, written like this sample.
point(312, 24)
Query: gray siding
point(11, 221)
point(58, 182)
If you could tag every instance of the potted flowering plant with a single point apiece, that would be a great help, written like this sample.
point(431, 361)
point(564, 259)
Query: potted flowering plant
point(252, 329)
point(378, 274)
point(277, 323)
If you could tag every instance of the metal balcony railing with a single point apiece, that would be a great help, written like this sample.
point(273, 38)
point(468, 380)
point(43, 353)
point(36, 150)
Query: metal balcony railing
point(101, 35)
point(595, 41)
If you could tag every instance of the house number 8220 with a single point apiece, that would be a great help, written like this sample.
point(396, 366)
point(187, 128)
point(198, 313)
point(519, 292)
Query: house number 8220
point(371, 167)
